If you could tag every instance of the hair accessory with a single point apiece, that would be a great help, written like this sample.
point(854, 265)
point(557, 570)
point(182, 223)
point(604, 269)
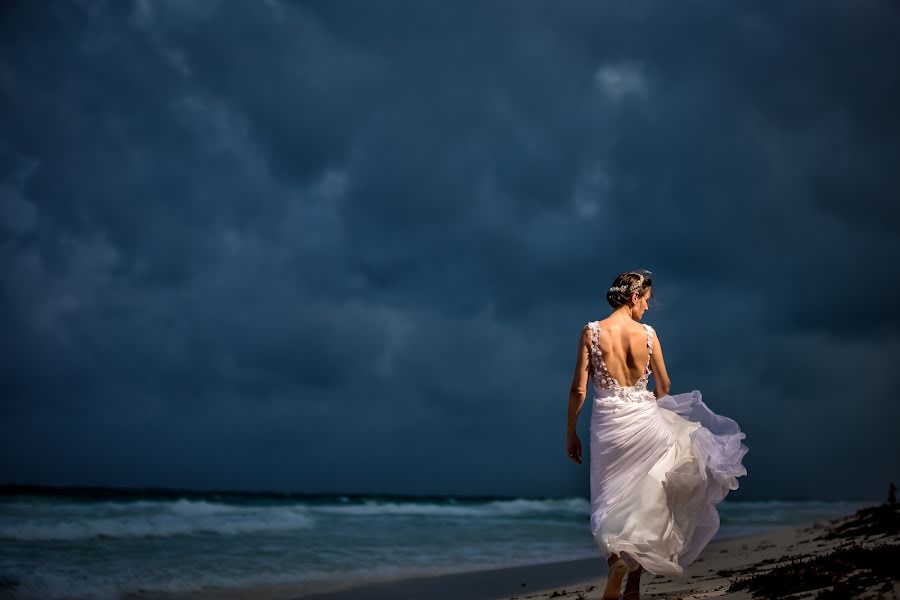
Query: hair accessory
point(634, 287)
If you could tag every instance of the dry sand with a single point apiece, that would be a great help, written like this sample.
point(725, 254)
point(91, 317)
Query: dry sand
point(851, 557)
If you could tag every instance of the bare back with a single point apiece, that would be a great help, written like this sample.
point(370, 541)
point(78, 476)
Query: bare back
point(625, 350)
point(616, 355)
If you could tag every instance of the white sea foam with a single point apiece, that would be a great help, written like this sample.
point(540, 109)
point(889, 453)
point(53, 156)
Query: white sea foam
point(74, 521)
point(494, 508)
point(81, 520)
point(117, 547)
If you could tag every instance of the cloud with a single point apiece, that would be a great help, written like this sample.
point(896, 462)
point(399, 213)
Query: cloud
point(338, 237)
point(17, 215)
point(618, 81)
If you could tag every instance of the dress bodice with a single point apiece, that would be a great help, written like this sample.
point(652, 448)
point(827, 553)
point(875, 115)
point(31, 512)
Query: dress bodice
point(605, 385)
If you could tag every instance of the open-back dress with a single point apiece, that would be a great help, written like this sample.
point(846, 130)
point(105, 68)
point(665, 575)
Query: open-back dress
point(658, 468)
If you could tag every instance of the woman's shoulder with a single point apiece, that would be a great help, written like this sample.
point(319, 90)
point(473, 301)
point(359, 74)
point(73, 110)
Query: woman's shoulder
point(602, 330)
point(605, 324)
point(648, 328)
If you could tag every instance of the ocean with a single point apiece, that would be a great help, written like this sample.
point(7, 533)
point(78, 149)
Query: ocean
point(103, 543)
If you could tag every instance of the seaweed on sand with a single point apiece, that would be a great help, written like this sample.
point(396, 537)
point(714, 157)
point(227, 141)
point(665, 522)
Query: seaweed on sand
point(871, 521)
point(846, 570)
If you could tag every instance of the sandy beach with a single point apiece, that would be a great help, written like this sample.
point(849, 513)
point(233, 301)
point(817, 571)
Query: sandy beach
point(851, 557)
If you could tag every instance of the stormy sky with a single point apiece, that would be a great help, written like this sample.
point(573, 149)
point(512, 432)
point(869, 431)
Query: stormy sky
point(350, 246)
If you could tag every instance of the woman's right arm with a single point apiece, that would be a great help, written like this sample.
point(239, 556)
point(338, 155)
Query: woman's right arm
point(578, 392)
point(658, 366)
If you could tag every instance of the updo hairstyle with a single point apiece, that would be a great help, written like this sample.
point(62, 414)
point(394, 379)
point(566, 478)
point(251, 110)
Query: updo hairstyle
point(629, 283)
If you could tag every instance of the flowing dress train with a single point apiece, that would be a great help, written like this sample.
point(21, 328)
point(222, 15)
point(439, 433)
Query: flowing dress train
point(658, 468)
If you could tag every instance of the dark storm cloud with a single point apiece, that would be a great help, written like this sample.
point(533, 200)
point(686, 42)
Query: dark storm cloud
point(350, 246)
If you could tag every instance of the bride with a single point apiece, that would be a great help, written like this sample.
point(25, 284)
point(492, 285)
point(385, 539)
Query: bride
point(659, 464)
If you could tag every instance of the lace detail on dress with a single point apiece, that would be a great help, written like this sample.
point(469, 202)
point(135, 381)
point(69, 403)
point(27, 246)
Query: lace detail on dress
point(604, 381)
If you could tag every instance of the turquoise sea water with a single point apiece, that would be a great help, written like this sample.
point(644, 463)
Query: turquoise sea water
point(109, 543)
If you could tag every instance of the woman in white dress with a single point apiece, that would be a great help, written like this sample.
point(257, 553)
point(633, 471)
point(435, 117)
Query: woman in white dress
point(659, 464)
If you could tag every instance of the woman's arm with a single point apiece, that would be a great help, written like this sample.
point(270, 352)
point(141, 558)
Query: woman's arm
point(578, 389)
point(658, 366)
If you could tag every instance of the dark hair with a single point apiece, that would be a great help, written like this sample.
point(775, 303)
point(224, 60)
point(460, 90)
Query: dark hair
point(629, 283)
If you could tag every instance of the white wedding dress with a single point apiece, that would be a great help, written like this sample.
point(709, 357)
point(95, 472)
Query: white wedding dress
point(657, 469)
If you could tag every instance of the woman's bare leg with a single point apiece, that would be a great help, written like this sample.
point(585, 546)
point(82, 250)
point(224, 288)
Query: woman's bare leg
point(617, 571)
point(633, 584)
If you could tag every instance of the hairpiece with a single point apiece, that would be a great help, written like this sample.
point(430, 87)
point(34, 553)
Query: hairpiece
point(626, 289)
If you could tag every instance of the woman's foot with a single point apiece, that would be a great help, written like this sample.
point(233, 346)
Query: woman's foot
point(617, 571)
point(633, 585)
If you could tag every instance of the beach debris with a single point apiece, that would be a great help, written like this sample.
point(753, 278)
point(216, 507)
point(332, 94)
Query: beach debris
point(878, 520)
point(845, 572)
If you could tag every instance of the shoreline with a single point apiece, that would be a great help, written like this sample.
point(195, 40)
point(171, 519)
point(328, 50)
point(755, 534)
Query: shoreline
point(567, 578)
point(756, 559)
point(760, 562)
point(527, 581)
point(846, 557)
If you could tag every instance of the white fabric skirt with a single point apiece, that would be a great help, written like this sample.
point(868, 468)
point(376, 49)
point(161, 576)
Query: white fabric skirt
point(658, 468)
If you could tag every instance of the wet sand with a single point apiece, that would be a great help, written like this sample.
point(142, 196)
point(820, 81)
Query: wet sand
point(851, 557)
point(857, 556)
